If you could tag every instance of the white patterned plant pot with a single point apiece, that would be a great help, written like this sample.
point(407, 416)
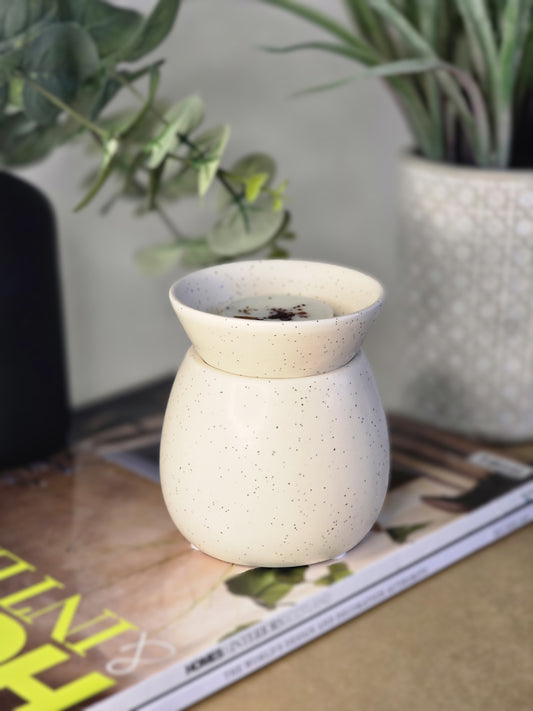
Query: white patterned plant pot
point(466, 257)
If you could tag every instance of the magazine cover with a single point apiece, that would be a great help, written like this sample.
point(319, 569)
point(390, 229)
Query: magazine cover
point(104, 605)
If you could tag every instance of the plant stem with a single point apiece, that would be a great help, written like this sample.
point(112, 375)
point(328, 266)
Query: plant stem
point(94, 128)
point(178, 236)
point(133, 90)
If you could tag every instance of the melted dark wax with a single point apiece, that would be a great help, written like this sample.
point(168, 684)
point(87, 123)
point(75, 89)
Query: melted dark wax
point(275, 314)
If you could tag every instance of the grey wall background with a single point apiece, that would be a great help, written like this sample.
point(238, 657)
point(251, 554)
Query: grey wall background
point(338, 149)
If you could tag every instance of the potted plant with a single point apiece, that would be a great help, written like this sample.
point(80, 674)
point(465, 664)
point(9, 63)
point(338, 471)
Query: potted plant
point(461, 73)
point(62, 63)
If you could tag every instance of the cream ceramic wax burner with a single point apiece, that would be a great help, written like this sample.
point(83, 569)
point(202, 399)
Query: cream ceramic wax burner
point(274, 449)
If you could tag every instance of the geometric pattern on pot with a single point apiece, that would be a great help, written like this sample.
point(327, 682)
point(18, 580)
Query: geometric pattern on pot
point(466, 256)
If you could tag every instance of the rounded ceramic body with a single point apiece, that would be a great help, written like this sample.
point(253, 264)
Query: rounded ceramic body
point(274, 472)
point(467, 267)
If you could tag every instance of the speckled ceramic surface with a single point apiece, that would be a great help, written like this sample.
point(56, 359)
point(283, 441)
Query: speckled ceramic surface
point(277, 349)
point(280, 470)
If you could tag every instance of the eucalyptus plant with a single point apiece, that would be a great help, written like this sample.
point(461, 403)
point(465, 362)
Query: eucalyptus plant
point(461, 71)
point(62, 62)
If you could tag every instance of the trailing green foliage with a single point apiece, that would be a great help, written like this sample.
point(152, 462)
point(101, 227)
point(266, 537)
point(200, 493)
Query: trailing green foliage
point(460, 70)
point(62, 62)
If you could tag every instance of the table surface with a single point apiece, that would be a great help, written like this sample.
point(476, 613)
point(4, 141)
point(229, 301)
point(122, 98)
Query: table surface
point(460, 641)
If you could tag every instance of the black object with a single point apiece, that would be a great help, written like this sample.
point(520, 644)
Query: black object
point(34, 412)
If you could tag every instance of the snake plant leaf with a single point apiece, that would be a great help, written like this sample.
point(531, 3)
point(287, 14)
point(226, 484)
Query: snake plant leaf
point(111, 28)
point(317, 18)
point(246, 167)
point(153, 30)
point(401, 67)
point(158, 258)
point(181, 119)
point(110, 150)
point(337, 571)
point(359, 53)
point(371, 27)
point(207, 155)
point(244, 229)
point(17, 18)
point(60, 59)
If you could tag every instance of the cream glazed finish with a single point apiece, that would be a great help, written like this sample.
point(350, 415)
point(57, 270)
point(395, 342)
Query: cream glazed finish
point(276, 349)
point(280, 470)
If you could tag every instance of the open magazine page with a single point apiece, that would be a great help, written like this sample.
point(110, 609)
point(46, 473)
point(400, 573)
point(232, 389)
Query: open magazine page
point(99, 593)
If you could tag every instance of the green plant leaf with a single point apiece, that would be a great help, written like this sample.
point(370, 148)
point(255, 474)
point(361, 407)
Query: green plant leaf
point(197, 253)
point(278, 195)
point(111, 28)
point(251, 582)
point(18, 16)
point(247, 166)
point(182, 183)
point(237, 629)
point(400, 534)
point(22, 142)
point(133, 123)
point(358, 53)
point(209, 148)
point(100, 89)
point(266, 586)
point(292, 575)
point(253, 186)
point(337, 571)
point(400, 67)
point(109, 152)
point(237, 233)
point(153, 30)
point(20, 24)
point(371, 28)
point(278, 252)
point(183, 118)
point(9, 61)
point(271, 595)
point(415, 41)
point(158, 258)
point(317, 18)
point(4, 95)
point(60, 59)
point(154, 180)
